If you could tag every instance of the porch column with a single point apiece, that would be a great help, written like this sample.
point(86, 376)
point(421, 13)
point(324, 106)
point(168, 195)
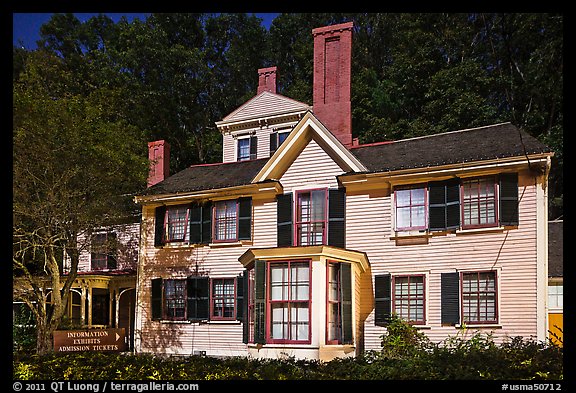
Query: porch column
point(83, 304)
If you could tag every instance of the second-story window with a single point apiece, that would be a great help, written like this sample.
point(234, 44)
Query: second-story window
point(103, 251)
point(311, 218)
point(176, 223)
point(479, 202)
point(411, 208)
point(226, 220)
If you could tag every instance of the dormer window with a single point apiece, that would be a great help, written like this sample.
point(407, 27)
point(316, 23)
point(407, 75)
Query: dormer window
point(247, 148)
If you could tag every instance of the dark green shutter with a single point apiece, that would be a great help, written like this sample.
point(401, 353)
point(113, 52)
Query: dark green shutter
point(240, 297)
point(253, 147)
point(284, 220)
point(206, 223)
point(336, 217)
point(260, 302)
point(273, 142)
point(156, 304)
point(444, 205)
point(111, 251)
point(382, 299)
point(509, 199)
point(195, 223)
point(450, 298)
point(198, 298)
point(245, 218)
point(160, 214)
point(346, 299)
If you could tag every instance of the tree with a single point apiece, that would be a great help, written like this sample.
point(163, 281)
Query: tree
point(76, 166)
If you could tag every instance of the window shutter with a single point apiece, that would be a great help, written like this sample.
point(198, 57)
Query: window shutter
point(273, 143)
point(245, 218)
point(195, 223)
point(336, 217)
point(253, 147)
point(444, 205)
point(450, 298)
point(198, 298)
point(240, 297)
point(206, 223)
point(159, 226)
point(156, 305)
point(452, 203)
point(509, 199)
point(382, 299)
point(111, 251)
point(260, 302)
point(346, 297)
point(284, 220)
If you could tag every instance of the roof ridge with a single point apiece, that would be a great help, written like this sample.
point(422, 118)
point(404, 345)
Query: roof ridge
point(452, 132)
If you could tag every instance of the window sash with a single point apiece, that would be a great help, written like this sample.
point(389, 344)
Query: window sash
point(311, 217)
point(226, 221)
point(479, 297)
point(174, 300)
point(334, 305)
point(223, 299)
point(409, 298)
point(98, 256)
point(289, 302)
point(479, 202)
point(411, 208)
point(243, 149)
point(176, 224)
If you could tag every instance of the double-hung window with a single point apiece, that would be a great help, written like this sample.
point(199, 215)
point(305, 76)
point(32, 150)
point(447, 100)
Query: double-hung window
point(411, 208)
point(175, 299)
point(311, 218)
point(226, 220)
point(103, 251)
point(289, 302)
point(479, 297)
point(479, 202)
point(223, 298)
point(409, 298)
point(176, 223)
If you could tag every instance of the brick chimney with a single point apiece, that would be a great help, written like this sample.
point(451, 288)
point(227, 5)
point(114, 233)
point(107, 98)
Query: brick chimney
point(159, 157)
point(267, 80)
point(332, 79)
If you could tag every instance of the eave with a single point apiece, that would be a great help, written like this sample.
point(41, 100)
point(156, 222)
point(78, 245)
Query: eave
point(311, 252)
point(383, 179)
point(262, 190)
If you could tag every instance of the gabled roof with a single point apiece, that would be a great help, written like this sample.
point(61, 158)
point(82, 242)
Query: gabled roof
point(265, 104)
point(208, 177)
point(474, 144)
point(309, 127)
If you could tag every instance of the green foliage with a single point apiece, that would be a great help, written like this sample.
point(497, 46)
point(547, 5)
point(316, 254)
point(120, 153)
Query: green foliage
point(406, 355)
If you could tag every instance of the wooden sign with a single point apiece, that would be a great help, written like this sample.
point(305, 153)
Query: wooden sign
point(96, 340)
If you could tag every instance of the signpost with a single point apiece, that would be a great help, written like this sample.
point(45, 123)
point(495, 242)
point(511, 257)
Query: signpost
point(95, 340)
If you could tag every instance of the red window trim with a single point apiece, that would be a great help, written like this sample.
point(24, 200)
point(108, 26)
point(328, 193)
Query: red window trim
point(411, 187)
point(269, 302)
point(339, 302)
point(496, 200)
point(478, 272)
point(165, 315)
point(423, 322)
point(215, 220)
point(297, 214)
point(165, 232)
point(212, 308)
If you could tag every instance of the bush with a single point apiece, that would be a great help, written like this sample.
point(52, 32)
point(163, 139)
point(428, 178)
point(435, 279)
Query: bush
point(406, 354)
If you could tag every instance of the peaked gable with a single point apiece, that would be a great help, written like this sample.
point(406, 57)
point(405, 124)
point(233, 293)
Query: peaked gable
point(307, 129)
point(265, 104)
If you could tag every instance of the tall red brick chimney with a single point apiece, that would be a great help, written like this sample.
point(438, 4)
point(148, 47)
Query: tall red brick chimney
point(332, 79)
point(267, 80)
point(159, 157)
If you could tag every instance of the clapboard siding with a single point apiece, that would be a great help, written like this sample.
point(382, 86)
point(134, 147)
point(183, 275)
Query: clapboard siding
point(312, 168)
point(511, 252)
